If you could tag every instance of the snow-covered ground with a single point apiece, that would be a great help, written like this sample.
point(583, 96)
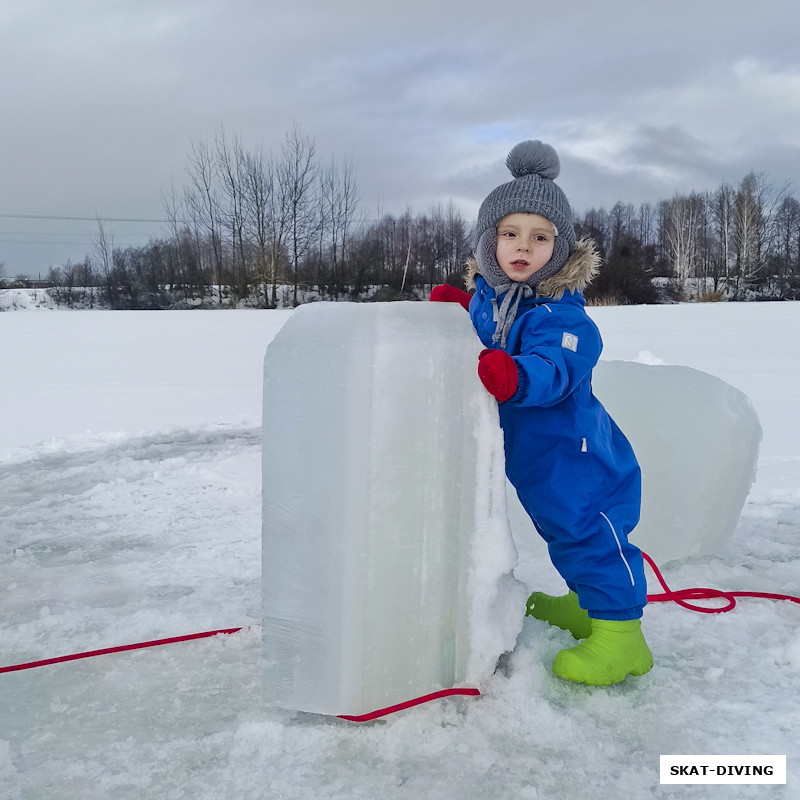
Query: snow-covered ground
point(130, 510)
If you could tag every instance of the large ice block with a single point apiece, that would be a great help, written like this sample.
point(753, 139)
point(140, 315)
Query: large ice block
point(697, 440)
point(387, 554)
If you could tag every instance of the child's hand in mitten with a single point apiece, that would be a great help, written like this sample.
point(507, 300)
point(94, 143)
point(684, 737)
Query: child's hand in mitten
point(444, 293)
point(498, 373)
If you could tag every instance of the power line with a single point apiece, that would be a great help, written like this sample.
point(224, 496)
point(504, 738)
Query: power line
point(32, 242)
point(81, 236)
point(80, 219)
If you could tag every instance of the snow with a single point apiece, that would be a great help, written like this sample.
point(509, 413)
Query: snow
point(26, 300)
point(130, 509)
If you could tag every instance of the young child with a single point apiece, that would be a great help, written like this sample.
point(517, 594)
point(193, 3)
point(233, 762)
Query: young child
point(574, 471)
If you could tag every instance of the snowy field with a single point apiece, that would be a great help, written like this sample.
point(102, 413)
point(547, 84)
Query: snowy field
point(130, 510)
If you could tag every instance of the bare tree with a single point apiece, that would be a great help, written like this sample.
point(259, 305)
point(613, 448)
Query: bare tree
point(231, 170)
point(755, 212)
point(788, 245)
point(85, 279)
point(103, 246)
point(456, 241)
point(265, 221)
point(324, 191)
point(202, 201)
point(748, 219)
point(646, 224)
point(339, 198)
point(681, 223)
point(705, 237)
point(297, 176)
point(174, 211)
point(621, 219)
point(722, 205)
point(595, 224)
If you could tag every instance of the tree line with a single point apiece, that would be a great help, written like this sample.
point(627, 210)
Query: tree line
point(276, 229)
point(736, 242)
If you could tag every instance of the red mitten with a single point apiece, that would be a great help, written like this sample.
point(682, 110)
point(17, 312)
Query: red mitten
point(444, 293)
point(498, 373)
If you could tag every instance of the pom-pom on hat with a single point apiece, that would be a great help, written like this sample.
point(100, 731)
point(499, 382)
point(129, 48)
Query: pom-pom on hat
point(535, 166)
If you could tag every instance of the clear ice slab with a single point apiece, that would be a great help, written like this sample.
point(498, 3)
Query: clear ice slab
point(696, 439)
point(387, 554)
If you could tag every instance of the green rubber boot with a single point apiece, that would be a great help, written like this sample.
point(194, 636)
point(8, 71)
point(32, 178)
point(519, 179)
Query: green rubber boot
point(563, 612)
point(615, 650)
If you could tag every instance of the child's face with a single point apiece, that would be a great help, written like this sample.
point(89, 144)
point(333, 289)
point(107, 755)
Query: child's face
point(524, 244)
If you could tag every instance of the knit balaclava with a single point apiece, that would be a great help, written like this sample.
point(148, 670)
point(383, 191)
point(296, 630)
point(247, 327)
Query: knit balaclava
point(534, 166)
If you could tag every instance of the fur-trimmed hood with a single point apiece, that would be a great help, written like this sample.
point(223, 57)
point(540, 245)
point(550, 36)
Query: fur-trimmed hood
point(579, 271)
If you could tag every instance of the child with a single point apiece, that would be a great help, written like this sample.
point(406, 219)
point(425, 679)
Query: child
point(573, 469)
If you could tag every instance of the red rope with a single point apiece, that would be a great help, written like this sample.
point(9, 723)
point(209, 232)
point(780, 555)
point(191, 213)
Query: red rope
point(417, 701)
point(682, 596)
point(207, 634)
point(120, 649)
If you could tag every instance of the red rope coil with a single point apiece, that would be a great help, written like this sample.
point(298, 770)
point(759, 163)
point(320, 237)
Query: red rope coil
point(682, 596)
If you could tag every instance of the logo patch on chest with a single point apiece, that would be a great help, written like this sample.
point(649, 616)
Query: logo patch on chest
point(569, 341)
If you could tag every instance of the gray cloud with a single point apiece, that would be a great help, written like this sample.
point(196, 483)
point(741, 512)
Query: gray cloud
point(101, 101)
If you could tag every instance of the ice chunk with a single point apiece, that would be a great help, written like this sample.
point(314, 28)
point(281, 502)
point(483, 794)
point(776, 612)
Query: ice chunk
point(386, 548)
point(697, 440)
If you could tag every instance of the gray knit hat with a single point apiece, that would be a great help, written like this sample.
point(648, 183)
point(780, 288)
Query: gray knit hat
point(534, 166)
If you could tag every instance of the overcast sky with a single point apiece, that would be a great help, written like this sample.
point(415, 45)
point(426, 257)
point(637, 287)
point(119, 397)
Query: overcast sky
point(100, 100)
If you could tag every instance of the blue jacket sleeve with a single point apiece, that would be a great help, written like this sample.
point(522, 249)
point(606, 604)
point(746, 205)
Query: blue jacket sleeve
point(557, 353)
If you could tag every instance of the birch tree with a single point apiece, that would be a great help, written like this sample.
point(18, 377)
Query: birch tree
point(722, 205)
point(681, 226)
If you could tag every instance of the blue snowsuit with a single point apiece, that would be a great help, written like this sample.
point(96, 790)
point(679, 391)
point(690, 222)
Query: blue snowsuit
point(574, 471)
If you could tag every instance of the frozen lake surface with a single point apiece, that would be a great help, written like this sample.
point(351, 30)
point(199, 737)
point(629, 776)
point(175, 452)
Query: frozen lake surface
point(130, 482)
